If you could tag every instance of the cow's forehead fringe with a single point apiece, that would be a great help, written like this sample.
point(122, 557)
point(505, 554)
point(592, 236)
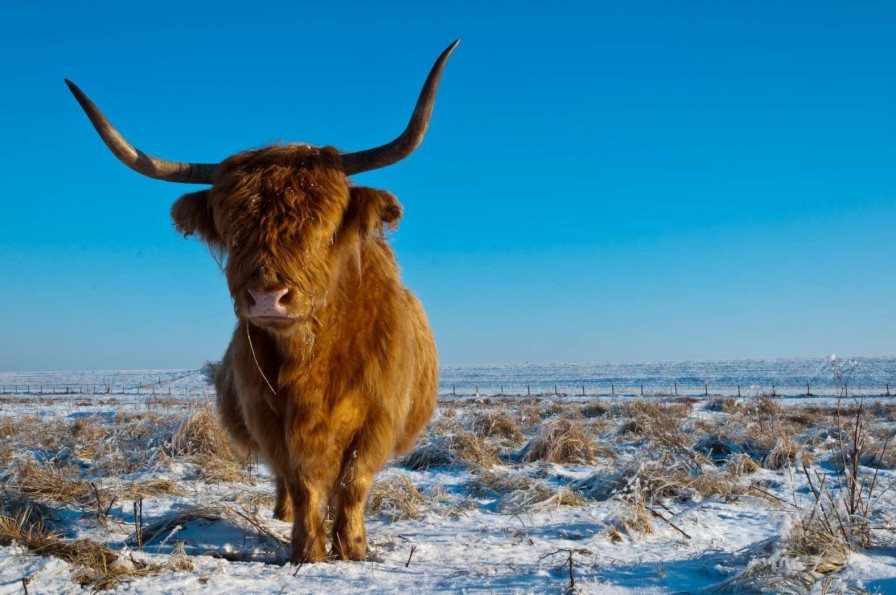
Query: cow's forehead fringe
point(294, 157)
point(280, 191)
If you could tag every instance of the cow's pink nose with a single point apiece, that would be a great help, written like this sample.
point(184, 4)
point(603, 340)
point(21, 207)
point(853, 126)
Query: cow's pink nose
point(268, 303)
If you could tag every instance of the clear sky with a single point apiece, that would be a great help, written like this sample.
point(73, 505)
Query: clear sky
point(601, 180)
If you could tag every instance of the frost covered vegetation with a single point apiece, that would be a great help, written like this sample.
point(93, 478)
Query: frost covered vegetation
point(502, 494)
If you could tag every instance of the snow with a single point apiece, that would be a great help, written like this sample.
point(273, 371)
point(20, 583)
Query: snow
point(463, 540)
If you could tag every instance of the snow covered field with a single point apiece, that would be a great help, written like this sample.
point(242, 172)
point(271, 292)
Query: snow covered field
point(123, 481)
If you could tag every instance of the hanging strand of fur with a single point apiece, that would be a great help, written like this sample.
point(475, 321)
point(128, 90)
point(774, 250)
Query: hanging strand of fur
point(257, 365)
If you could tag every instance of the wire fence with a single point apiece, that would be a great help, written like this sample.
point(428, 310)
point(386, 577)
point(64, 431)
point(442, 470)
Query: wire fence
point(672, 389)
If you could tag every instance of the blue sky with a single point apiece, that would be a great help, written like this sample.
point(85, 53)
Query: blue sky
point(601, 180)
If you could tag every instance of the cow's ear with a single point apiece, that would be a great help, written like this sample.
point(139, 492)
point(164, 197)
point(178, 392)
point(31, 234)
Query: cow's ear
point(192, 215)
point(371, 211)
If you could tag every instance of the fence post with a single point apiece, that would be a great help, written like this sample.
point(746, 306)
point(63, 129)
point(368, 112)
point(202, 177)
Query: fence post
point(738, 391)
point(642, 389)
point(612, 390)
point(705, 389)
point(528, 391)
point(676, 388)
point(888, 390)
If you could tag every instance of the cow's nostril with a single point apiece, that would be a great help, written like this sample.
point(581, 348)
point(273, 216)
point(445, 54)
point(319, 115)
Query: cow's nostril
point(281, 296)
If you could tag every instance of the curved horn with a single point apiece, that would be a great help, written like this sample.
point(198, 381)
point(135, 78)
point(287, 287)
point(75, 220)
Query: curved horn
point(410, 139)
point(170, 171)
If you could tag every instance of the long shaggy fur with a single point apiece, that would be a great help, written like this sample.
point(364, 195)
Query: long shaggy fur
point(355, 378)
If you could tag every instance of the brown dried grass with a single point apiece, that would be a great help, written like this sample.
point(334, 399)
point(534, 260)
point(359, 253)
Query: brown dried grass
point(473, 450)
point(102, 567)
point(496, 424)
point(562, 441)
point(428, 455)
point(742, 464)
point(595, 410)
point(490, 482)
point(204, 441)
point(728, 405)
point(395, 498)
point(149, 487)
point(201, 433)
point(631, 518)
point(47, 482)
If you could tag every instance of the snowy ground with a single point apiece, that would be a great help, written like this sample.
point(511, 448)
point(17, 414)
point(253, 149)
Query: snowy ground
point(504, 494)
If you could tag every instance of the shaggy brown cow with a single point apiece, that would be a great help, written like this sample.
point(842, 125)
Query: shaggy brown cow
point(332, 368)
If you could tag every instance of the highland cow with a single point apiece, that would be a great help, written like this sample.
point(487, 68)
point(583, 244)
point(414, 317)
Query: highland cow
point(332, 368)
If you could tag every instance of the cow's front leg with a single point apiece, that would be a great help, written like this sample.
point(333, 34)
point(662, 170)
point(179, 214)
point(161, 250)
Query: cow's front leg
point(308, 538)
point(366, 455)
point(349, 534)
point(314, 465)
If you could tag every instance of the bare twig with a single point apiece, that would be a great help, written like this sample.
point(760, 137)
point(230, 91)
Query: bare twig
point(664, 519)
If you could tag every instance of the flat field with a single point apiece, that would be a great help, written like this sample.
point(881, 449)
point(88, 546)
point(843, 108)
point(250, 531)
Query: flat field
point(124, 481)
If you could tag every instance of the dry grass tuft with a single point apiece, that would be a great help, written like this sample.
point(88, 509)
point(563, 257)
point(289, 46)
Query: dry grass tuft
point(253, 502)
point(88, 433)
point(490, 482)
point(202, 439)
point(530, 414)
point(784, 453)
point(562, 497)
point(20, 426)
point(632, 518)
point(438, 493)
point(728, 405)
point(149, 487)
point(217, 468)
point(768, 407)
point(179, 561)
point(661, 480)
point(429, 455)
point(103, 567)
point(447, 424)
point(742, 464)
point(464, 448)
point(396, 498)
point(52, 483)
point(822, 551)
point(663, 425)
point(562, 441)
point(802, 561)
point(595, 410)
point(201, 433)
point(496, 424)
point(473, 450)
